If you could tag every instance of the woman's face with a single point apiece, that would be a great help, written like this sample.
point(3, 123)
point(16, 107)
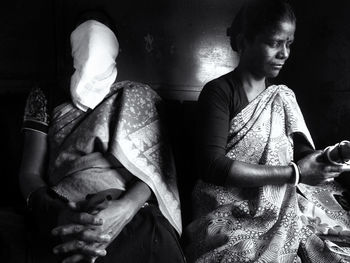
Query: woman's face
point(266, 54)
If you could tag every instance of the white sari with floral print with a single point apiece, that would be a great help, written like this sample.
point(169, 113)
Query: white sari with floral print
point(270, 223)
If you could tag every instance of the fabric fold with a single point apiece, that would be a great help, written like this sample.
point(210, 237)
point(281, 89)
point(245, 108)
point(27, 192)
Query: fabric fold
point(127, 126)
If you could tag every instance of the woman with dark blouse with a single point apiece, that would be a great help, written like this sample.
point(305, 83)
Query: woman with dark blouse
point(221, 100)
point(264, 193)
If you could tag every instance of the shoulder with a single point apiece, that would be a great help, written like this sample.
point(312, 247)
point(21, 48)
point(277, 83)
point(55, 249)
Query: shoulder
point(224, 82)
point(36, 115)
point(284, 90)
point(130, 85)
point(36, 106)
point(221, 88)
point(136, 93)
point(133, 87)
point(287, 95)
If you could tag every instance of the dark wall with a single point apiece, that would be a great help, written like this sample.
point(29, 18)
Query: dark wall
point(27, 46)
point(27, 55)
point(319, 68)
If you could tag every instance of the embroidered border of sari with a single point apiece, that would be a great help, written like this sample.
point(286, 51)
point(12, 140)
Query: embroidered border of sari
point(125, 126)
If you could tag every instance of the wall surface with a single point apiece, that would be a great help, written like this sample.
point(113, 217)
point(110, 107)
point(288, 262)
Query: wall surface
point(319, 68)
point(27, 55)
point(27, 43)
point(176, 46)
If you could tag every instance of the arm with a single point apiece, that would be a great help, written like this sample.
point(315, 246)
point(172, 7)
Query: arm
point(137, 195)
point(253, 175)
point(44, 205)
point(35, 125)
point(33, 162)
point(264, 174)
point(313, 171)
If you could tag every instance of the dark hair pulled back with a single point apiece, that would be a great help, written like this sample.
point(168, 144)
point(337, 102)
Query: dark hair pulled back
point(257, 16)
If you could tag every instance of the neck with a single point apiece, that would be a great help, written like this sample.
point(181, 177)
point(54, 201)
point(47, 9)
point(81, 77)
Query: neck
point(252, 84)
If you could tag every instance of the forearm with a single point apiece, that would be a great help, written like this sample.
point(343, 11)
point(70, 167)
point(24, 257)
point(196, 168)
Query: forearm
point(243, 174)
point(33, 162)
point(137, 194)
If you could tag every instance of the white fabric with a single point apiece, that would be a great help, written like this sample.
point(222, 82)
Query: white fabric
point(94, 50)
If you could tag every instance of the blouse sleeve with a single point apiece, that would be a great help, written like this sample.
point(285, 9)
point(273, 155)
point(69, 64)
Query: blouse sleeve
point(301, 147)
point(212, 131)
point(36, 115)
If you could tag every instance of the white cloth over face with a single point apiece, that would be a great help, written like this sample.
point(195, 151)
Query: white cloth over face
point(94, 50)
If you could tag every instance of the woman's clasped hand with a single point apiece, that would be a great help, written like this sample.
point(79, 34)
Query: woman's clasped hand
point(89, 226)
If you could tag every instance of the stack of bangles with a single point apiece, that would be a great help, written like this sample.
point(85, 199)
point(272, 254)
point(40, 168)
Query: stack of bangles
point(296, 173)
point(337, 146)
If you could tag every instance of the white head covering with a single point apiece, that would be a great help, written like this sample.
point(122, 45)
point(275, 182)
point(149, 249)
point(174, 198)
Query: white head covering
point(94, 50)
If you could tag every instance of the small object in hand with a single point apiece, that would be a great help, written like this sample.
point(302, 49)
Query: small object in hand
point(344, 151)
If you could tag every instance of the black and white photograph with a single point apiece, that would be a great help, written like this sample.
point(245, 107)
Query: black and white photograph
point(183, 131)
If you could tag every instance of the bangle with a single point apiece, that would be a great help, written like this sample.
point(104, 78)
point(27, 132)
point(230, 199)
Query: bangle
point(296, 172)
point(327, 152)
point(28, 199)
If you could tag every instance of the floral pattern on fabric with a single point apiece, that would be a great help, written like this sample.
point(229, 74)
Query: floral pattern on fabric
point(36, 107)
point(261, 224)
point(125, 125)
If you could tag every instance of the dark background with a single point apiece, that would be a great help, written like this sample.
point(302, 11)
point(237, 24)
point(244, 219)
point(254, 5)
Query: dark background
point(176, 47)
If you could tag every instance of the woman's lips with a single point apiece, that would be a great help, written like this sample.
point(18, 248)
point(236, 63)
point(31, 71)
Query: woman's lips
point(277, 66)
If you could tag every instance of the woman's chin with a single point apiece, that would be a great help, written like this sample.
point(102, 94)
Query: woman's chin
point(273, 73)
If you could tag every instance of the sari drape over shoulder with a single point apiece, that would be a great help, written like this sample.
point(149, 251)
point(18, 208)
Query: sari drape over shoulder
point(264, 224)
point(122, 138)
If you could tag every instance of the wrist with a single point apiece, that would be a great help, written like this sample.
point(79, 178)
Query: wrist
point(45, 208)
point(132, 205)
point(33, 195)
point(45, 200)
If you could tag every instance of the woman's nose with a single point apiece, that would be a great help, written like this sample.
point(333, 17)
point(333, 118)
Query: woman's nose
point(283, 52)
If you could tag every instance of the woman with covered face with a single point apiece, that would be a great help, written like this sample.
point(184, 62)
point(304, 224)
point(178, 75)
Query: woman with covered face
point(264, 193)
point(97, 173)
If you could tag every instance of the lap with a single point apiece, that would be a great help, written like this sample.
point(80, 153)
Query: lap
point(149, 237)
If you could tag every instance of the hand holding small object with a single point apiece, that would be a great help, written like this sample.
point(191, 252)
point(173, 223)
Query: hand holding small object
point(339, 154)
point(313, 170)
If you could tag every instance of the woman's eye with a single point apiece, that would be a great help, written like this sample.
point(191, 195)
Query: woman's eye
point(273, 44)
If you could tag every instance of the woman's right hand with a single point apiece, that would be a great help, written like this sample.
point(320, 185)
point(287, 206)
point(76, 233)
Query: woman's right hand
point(314, 170)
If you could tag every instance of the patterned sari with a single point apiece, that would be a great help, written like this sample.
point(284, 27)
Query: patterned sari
point(122, 138)
point(269, 223)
